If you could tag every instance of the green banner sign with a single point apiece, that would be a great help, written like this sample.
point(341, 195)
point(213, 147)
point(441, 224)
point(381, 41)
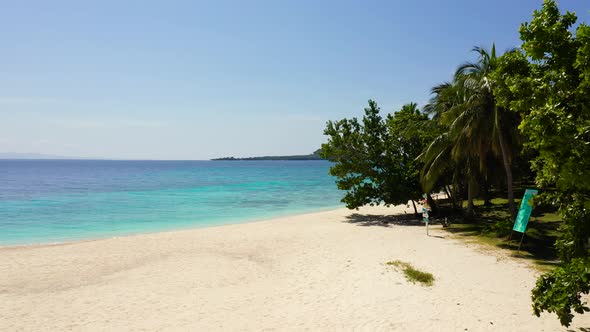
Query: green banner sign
point(526, 206)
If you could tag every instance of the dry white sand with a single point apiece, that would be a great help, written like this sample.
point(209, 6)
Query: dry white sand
point(308, 272)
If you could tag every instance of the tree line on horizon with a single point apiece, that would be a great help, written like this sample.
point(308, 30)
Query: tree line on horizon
point(312, 156)
point(518, 117)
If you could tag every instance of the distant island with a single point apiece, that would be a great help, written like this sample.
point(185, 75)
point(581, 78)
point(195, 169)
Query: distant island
point(314, 156)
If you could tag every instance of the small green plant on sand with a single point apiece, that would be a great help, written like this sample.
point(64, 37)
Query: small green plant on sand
point(412, 274)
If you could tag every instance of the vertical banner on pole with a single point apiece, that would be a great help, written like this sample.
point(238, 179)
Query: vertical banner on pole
point(524, 213)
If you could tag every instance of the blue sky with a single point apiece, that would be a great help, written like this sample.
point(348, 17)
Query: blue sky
point(196, 80)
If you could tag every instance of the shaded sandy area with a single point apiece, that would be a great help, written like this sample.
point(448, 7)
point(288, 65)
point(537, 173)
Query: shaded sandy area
point(320, 272)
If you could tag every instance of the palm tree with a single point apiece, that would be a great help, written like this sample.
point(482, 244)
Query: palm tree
point(437, 155)
point(488, 125)
point(476, 128)
point(451, 150)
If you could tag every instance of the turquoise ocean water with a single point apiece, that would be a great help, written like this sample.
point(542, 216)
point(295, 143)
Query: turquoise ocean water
point(47, 201)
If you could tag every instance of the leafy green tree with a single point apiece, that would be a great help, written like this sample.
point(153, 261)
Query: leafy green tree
point(411, 131)
point(548, 83)
point(375, 157)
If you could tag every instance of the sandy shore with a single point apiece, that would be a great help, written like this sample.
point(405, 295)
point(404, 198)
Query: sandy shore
point(319, 271)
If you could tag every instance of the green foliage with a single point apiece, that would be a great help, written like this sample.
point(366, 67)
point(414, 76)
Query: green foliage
point(551, 94)
point(560, 290)
point(476, 130)
point(412, 274)
point(443, 154)
point(575, 229)
point(539, 94)
point(375, 157)
point(500, 228)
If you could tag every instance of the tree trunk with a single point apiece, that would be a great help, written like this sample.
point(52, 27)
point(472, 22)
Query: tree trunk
point(486, 193)
point(432, 204)
point(507, 168)
point(470, 196)
point(452, 194)
point(415, 210)
point(448, 194)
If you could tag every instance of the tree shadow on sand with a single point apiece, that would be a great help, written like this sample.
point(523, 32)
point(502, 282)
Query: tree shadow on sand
point(581, 329)
point(382, 220)
point(387, 221)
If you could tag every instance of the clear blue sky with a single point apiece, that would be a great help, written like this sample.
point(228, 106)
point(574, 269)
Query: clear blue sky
point(196, 80)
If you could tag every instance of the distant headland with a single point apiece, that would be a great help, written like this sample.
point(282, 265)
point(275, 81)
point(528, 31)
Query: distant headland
point(314, 156)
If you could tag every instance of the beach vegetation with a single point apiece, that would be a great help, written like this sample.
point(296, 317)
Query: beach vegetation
point(501, 124)
point(491, 228)
point(412, 274)
point(548, 84)
point(375, 158)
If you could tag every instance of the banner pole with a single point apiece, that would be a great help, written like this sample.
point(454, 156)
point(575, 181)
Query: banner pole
point(520, 244)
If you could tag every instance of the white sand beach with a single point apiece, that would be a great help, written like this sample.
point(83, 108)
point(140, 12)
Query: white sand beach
point(317, 272)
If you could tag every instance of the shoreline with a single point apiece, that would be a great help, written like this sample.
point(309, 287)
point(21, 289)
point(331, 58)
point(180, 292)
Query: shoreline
point(229, 223)
point(317, 271)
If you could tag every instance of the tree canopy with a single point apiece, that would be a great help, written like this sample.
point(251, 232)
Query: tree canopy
point(548, 83)
point(375, 157)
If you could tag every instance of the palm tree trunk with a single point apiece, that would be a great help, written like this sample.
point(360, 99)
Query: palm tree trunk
point(452, 195)
point(458, 197)
point(509, 180)
point(470, 196)
point(415, 210)
point(507, 168)
point(446, 188)
point(486, 193)
point(433, 205)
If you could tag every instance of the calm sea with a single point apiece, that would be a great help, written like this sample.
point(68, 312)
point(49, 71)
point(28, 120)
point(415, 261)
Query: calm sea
point(45, 201)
